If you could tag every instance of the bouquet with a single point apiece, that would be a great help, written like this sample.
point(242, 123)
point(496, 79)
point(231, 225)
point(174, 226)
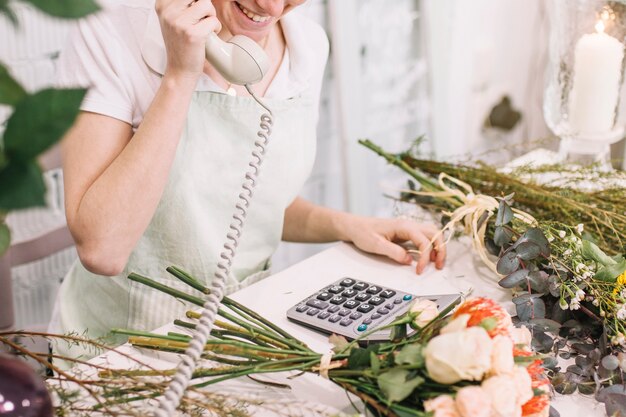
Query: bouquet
point(568, 281)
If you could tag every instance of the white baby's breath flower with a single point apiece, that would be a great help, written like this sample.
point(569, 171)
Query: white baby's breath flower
point(581, 267)
point(580, 295)
point(561, 234)
point(550, 238)
point(567, 252)
point(580, 228)
point(563, 304)
point(596, 302)
point(574, 304)
point(587, 274)
point(621, 313)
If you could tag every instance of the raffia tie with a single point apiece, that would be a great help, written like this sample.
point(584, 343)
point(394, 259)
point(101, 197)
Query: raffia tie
point(326, 364)
point(473, 208)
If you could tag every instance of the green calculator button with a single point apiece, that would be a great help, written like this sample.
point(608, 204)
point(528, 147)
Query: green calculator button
point(362, 327)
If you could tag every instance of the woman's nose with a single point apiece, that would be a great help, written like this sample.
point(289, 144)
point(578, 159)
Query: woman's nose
point(272, 7)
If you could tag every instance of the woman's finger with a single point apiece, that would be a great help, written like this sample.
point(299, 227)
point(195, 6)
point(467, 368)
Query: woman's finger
point(392, 251)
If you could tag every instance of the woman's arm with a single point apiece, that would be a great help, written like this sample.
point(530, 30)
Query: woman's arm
point(306, 222)
point(114, 179)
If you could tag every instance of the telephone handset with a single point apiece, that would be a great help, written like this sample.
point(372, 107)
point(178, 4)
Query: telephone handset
point(240, 61)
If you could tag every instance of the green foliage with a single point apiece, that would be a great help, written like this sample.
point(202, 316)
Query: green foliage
point(22, 186)
point(6, 10)
point(410, 355)
point(396, 385)
point(5, 237)
point(68, 9)
point(11, 92)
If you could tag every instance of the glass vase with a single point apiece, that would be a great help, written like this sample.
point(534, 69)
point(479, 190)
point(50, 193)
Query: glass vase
point(582, 101)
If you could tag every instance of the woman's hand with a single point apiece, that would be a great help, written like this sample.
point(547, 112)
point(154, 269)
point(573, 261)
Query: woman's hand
point(185, 25)
point(382, 237)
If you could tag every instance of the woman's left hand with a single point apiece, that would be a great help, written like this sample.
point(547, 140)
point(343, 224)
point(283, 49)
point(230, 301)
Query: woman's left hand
point(382, 237)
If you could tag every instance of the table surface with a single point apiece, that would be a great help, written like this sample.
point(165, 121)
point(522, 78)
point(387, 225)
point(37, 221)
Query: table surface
point(273, 296)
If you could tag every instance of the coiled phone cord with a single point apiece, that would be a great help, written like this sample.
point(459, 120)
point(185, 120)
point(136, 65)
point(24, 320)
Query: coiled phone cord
point(171, 399)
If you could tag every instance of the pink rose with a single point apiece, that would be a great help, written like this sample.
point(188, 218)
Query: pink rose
point(521, 336)
point(502, 355)
point(473, 402)
point(502, 392)
point(442, 406)
point(523, 384)
point(456, 325)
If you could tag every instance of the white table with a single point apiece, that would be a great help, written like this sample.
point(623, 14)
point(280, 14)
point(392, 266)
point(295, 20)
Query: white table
point(274, 295)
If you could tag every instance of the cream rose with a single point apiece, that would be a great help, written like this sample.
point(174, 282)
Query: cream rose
point(473, 402)
point(426, 311)
point(456, 325)
point(521, 336)
point(442, 406)
point(502, 391)
point(502, 355)
point(523, 384)
point(464, 355)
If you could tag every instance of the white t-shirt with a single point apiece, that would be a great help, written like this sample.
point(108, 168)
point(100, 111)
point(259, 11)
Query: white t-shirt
point(120, 55)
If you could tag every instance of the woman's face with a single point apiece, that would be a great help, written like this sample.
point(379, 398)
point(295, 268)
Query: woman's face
point(252, 18)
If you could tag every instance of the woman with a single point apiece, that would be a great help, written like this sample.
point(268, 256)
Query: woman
point(155, 161)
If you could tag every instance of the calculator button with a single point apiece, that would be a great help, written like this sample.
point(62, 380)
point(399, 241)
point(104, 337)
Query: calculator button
point(312, 311)
point(345, 322)
point(376, 300)
point(334, 319)
point(347, 282)
point(324, 296)
point(389, 306)
point(337, 300)
point(362, 327)
point(349, 293)
point(351, 304)
point(317, 304)
point(382, 310)
point(302, 308)
point(374, 289)
point(356, 316)
point(343, 312)
point(407, 297)
point(365, 308)
point(397, 300)
point(375, 316)
point(363, 296)
point(387, 293)
point(323, 315)
point(367, 321)
point(360, 286)
point(333, 309)
point(335, 289)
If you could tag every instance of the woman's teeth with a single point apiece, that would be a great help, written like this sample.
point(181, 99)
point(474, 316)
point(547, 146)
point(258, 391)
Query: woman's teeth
point(253, 16)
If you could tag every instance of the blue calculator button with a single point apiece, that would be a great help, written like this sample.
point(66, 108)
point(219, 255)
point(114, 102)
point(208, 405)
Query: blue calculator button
point(362, 327)
point(407, 297)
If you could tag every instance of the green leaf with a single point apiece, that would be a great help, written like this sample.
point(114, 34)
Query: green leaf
point(5, 238)
point(502, 236)
point(398, 332)
point(395, 386)
point(592, 252)
point(21, 186)
point(375, 362)
point(410, 355)
point(11, 92)
point(39, 121)
point(360, 358)
point(508, 263)
point(8, 12)
point(545, 325)
point(611, 272)
point(514, 279)
point(505, 214)
point(69, 9)
point(536, 236)
point(528, 251)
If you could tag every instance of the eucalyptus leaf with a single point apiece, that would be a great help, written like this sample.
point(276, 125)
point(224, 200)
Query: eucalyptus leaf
point(564, 384)
point(528, 251)
point(514, 279)
point(554, 412)
point(505, 214)
point(69, 9)
point(603, 393)
point(508, 263)
point(395, 386)
point(39, 121)
point(410, 355)
point(5, 238)
point(542, 342)
point(615, 405)
point(545, 325)
point(539, 281)
point(529, 307)
point(536, 236)
point(592, 252)
point(610, 362)
point(22, 186)
point(502, 236)
point(11, 92)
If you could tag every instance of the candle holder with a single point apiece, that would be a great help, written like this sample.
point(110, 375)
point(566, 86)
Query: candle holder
point(585, 76)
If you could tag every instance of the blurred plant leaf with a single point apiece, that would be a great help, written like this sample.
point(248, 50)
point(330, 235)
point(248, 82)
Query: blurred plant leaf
point(508, 263)
point(564, 383)
point(529, 306)
point(68, 9)
point(505, 214)
point(395, 386)
point(615, 405)
point(603, 393)
point(8, 12)
point(502, 236)
point(514, 279)
point(375, 362)
point(528, 250)
point(11, 92)
point(539, 281)
point(536, 236)
point(360, 357)
point(22, 186)
point(410, 355)
point(5, 238)
point(542, 342)
point(592, 252)
point(545, 325)
point(611, 272)
point(39, 121)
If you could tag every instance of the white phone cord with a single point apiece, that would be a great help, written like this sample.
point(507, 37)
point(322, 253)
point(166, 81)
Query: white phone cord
point(171, 399)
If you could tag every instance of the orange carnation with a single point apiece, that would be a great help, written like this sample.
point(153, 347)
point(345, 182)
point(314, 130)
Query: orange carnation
point(488, 313)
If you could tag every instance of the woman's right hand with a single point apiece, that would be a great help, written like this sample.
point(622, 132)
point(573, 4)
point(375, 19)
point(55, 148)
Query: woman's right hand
point(185, 25)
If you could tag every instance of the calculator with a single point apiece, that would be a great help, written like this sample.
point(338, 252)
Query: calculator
point(350, 307)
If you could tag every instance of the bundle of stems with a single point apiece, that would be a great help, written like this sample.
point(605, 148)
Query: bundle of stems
point(603, 212)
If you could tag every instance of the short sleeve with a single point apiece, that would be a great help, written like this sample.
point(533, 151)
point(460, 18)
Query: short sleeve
point(92, 58)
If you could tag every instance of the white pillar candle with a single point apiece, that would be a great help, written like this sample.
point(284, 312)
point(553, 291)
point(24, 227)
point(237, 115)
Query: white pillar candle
point(595, 91)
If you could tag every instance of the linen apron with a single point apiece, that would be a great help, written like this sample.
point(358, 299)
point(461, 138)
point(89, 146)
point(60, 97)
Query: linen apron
point(192, 219)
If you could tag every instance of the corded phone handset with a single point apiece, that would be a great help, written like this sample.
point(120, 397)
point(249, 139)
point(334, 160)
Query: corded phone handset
point(240, 61)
